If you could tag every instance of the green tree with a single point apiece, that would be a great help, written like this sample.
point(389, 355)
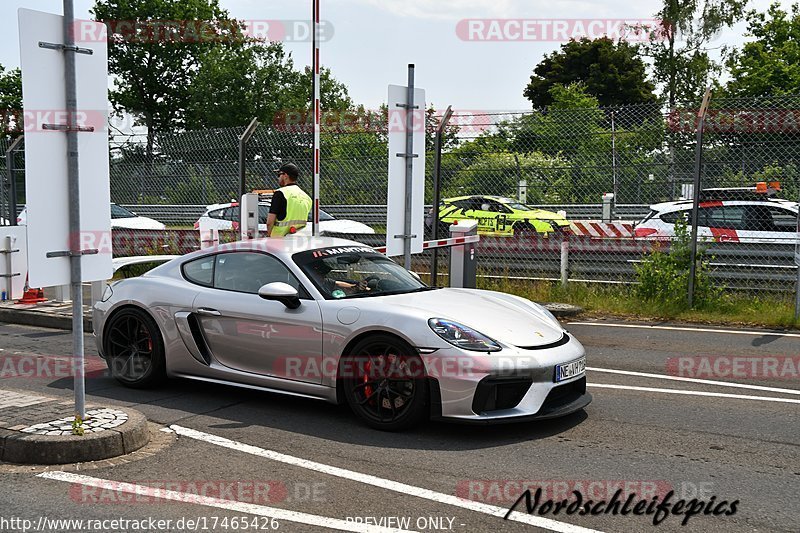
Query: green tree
point(679, 46)
point(10, 101)
point(235, 84)
point(768, 65)
point(614, 73)
point(154, 65)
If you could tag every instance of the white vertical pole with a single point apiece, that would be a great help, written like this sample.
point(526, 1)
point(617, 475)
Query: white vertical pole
point(317, 111)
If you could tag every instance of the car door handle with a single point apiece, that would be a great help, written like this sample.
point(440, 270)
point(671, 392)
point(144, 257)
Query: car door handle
point(208, 311)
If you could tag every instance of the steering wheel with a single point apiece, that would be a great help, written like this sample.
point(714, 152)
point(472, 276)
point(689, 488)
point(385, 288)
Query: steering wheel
point(372, 281)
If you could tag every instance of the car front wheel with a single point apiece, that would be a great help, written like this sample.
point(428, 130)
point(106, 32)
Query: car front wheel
point(384, 383)
point(134, 349)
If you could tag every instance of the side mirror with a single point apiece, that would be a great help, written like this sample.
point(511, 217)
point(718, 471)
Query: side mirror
point(282, 292)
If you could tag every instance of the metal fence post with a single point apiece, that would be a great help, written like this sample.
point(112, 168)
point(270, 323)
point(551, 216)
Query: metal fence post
point(410, 106)
point(12, 180)
point(74, 208)
point(614, 164)
point(244, 138)
point(437, 170)
point(797, 262)
point(698, 164)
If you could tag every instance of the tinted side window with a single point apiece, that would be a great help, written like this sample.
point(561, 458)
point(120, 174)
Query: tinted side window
point(672, 218)
point(248, 272)
point(200, 271)
point(726, 217)
point(497, 207)
point(783, 219)
point(232, 214)
point(217, 213)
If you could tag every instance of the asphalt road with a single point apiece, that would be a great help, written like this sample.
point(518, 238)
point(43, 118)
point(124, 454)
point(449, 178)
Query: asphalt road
point(734, 439)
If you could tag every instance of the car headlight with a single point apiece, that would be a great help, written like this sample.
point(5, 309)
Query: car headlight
point(462, 336)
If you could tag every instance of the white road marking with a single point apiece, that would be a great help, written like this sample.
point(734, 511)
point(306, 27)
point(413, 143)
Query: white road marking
point(694, 393)
point(411, 490)
point(196, 499)
point(677, 328)
point(695, 380)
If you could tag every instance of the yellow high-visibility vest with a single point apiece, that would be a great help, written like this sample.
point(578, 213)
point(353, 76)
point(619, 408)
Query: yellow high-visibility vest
point(298, 206)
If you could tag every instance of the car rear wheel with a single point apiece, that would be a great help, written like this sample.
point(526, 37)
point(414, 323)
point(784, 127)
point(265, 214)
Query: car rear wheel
point(134, 349)
point(524, 228)
point(384, 383)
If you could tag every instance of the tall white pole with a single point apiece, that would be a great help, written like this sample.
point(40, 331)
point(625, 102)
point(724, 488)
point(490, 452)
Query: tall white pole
point(317, 110)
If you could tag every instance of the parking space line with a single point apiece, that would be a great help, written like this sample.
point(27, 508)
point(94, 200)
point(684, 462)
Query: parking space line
point(695, 380)
point(678, 328)
point(694, 393)
point(396, 486)
point(196, 499)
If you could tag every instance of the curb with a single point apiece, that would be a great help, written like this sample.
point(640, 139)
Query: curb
point(25, 448)
point(41, 319)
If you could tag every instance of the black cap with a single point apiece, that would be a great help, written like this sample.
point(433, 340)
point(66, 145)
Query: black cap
point(291, 170)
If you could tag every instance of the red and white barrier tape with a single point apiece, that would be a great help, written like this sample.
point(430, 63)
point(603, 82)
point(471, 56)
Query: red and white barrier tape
point(442, 243)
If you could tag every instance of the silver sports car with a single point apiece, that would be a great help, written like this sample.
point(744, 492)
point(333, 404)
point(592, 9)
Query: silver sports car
point(334, 320)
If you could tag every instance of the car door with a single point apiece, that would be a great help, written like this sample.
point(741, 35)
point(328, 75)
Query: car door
point(768, 224)
point(724, 222)
point(247, 333)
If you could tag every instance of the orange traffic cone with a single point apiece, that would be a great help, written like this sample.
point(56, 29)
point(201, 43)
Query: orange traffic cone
point(32, 296)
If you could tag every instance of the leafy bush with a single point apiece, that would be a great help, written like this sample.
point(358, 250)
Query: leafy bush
point(664, 276)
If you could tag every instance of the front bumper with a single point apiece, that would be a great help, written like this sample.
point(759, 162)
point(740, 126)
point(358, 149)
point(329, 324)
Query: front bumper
point(508, 386)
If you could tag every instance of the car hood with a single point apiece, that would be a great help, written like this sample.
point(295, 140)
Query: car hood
point(345, 226)
point(505, 318)
point(137, 223)
point(540, 214)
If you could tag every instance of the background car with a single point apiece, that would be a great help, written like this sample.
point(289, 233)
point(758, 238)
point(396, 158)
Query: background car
point(727, 215)
point(332, 319)
point(498, 216)
point(121, 218)
point(228, 216)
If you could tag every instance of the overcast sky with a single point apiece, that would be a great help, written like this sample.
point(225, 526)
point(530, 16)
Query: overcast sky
point(374, 40)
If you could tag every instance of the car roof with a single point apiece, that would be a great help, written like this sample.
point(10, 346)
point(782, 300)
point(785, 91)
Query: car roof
point(501, 199)
point(666, 206)
point(284, 247)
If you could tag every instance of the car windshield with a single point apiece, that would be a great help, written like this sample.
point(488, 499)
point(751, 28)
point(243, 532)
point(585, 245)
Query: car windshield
point(516, 206)
point(355, 272)
point(120, 212)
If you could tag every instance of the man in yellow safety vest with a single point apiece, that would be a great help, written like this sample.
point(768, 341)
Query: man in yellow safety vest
point(290, 205)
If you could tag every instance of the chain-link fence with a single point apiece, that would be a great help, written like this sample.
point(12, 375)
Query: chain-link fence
point(612, 182)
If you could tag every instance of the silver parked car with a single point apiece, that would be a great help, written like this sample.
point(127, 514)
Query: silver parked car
point(334, 320)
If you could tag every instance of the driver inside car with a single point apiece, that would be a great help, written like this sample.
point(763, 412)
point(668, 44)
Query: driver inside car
point(336, 287)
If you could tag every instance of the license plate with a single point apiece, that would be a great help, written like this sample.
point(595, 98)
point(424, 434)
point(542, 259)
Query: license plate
point(571, 369)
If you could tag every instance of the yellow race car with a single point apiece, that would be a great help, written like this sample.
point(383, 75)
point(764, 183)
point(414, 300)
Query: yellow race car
point(498, 216)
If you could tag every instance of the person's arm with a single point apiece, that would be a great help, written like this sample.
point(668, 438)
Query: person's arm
point(277, 211)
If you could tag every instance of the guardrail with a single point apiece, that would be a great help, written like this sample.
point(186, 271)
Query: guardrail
point(376, 214)
point(735, 265)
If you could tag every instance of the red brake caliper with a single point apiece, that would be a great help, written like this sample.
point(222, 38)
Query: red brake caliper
point(367, 388)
